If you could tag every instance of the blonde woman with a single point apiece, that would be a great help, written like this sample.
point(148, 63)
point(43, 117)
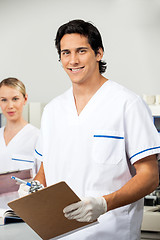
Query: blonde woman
point(18, 137)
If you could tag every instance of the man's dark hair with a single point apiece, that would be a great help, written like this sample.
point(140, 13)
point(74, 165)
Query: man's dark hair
point(86, 29)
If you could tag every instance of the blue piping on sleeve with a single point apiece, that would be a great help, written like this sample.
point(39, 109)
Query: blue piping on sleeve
point(143, 151)
point(38, 153)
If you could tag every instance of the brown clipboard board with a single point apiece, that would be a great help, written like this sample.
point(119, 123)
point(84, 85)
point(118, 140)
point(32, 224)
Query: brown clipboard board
point(43, 211)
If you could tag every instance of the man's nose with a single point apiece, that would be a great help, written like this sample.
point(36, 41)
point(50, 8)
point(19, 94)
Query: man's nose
point(74, 59)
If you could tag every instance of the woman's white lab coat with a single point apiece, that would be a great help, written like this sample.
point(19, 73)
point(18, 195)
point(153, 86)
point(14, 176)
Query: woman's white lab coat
point(19, 153)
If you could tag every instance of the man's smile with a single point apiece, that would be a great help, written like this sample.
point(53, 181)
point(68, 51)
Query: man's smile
point(76, 69)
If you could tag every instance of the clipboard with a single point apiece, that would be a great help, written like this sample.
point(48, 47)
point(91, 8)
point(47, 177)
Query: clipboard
point(43, 211)
point(6, 185)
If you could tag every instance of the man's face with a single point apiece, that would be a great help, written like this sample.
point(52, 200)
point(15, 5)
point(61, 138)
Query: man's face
point(78, 58)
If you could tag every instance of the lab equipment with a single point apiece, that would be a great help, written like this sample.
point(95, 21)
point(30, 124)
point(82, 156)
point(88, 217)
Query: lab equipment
point(151, 216)
point(35, 186)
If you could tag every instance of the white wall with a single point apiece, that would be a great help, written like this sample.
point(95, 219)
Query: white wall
point(130, 30)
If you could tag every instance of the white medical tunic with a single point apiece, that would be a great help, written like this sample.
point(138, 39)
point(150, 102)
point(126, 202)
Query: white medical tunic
point(95, 152)
point(19, 153)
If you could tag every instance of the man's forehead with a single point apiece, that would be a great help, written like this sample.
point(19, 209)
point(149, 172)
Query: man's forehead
point(74, 40)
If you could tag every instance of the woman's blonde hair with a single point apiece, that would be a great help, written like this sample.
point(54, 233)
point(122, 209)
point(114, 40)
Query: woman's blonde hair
point(14, 83)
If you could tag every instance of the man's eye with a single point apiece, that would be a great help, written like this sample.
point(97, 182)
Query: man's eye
point(82, 51)
point(3, 100)
point(15, 99)
point(65, 53)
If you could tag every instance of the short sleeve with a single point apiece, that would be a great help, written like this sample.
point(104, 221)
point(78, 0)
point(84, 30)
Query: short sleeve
point(142, 138)
point(39, 149)
point(39, 145)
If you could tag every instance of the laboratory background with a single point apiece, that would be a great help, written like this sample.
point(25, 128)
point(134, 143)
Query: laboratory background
point(130, 31)
point(131, 36)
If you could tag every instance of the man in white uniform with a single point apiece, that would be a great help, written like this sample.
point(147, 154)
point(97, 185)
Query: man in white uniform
point(98, 137)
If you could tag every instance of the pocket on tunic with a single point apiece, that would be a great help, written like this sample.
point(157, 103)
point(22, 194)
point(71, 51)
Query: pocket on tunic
point(22, 161)
point(107, 147)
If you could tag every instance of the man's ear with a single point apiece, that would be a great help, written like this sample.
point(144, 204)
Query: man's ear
point(99, 55)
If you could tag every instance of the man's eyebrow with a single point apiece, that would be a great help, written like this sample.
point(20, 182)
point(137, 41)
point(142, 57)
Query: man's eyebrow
point(64, 50)
point(81, 48)
point(77, 49)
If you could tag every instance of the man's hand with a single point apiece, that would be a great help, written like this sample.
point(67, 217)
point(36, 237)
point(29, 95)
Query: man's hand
point(87, 210)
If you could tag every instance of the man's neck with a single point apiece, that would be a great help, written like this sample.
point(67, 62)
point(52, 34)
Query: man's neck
point(84, 92)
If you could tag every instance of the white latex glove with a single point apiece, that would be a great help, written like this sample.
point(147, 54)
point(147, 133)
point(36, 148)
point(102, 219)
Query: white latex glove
point(87, 210)
point(25, 190)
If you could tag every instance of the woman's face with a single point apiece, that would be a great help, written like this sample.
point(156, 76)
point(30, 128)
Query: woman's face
point(11, 103)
